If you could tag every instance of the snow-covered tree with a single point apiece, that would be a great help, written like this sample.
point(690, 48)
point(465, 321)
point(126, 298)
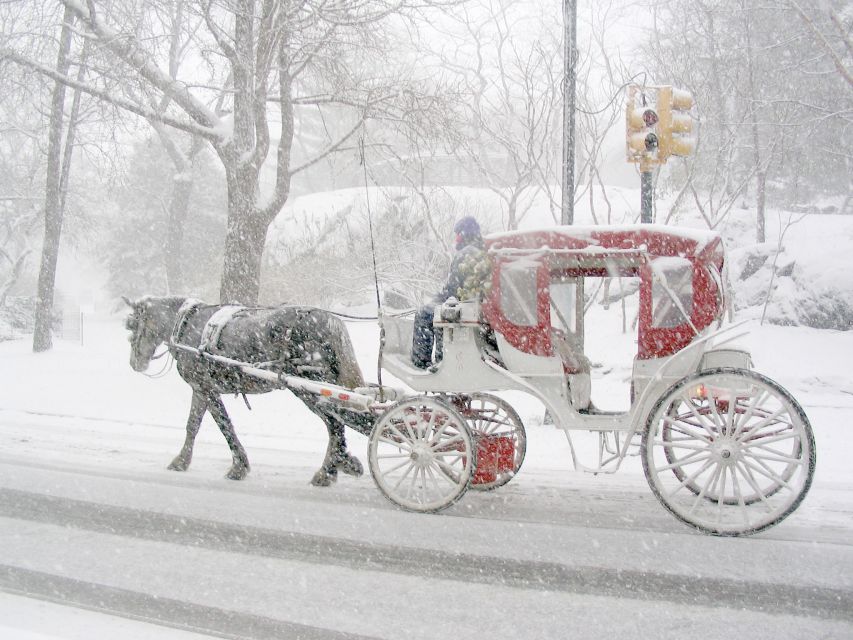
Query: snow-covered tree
point(770, 82)
point(270, 59)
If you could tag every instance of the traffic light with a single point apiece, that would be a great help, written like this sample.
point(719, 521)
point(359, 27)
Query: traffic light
point(675, 123)
point(642, 122)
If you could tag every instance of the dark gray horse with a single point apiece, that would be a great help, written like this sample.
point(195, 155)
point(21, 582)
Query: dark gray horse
point(294, 340)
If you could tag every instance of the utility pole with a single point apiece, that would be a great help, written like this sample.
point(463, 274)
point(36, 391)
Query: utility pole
point(569, 60)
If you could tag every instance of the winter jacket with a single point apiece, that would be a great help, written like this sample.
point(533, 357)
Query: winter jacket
point(468, 271)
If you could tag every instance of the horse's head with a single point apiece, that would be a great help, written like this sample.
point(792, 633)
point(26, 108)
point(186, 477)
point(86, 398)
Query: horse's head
point(150, 323)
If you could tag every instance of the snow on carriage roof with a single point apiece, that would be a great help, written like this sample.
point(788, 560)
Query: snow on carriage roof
point(631, 236)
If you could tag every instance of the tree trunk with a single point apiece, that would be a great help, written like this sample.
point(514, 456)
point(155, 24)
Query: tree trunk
point(241, 269)
point(760, 199)
point(42, 340)
point(244, 240)
point(760, 173)
point(182, 186)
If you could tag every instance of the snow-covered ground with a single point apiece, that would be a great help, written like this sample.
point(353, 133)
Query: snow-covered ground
point(98, 539)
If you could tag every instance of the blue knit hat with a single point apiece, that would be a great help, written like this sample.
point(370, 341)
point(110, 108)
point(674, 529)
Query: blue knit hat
point(467, 227)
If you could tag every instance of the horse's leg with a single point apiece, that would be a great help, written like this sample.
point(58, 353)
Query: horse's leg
point(240, 465)
point(197, 409)
point(341, 458)
point(337, 457)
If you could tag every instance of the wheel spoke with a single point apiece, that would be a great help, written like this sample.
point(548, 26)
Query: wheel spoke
point(721, 494)
point(434, 480)
point(753, 483)
point(716, 418)
point(739, 495)
point(763, 441)
point(730, 415)
point(712, 480)
point(679, 444)
point(691, 459)
point(397, 466)
point(402, 477)
point(689, 479)
point(406, 439)
point(389, 456)
point(771, 419)
point(681, 427)
point(431, 423)
point(767, 472)
point(686, 400)
point(777, 458)
point(756, 401)
point(444, 443)
point(454, 455)
point(412, 483)
point(395, 443)
point(449, 471)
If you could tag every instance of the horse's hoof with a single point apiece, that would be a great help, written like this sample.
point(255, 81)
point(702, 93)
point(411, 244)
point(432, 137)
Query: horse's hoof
point(351, 466)
point(237, 473)
point(324, 479)
point(178, 464)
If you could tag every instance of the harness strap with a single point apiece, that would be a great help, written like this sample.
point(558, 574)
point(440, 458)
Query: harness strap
point(212, 330)
point(187, 309)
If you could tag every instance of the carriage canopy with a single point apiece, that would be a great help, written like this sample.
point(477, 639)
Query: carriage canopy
point(537, 282)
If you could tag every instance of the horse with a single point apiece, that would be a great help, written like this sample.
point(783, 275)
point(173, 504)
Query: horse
point(289, 339)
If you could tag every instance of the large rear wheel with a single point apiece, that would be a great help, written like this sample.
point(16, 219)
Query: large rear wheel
point(728, 451)
point(422, 454)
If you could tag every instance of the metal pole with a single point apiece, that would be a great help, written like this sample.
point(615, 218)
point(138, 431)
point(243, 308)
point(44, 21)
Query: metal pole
point(569, 59)
point(647, 188)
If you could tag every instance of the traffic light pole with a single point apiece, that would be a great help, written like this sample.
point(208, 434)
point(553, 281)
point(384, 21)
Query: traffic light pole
point(569, 56)
point(647, 191)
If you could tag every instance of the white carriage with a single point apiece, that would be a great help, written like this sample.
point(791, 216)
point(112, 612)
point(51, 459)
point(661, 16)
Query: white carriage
point(724, 449)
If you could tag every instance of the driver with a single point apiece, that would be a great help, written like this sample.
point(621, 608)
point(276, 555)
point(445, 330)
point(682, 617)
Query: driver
point(469, 254)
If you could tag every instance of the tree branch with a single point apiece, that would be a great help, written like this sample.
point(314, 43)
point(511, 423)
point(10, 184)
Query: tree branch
point(127, 49)
point(138, 109)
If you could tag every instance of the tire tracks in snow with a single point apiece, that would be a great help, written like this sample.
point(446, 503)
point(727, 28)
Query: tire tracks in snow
point(809, 601)
point(177, 614)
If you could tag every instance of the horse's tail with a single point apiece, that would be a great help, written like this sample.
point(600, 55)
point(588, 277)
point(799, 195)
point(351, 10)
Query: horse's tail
point(349, 373)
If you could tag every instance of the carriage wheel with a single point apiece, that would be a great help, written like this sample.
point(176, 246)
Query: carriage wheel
point(728, 451)
point(421, 454)
point(489, 416)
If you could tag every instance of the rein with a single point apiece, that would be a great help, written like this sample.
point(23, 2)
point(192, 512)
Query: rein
point(167, 365)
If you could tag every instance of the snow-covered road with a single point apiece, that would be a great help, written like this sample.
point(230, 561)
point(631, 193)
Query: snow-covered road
point(91, 520)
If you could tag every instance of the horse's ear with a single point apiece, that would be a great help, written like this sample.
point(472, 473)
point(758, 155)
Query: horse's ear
point(128, 302)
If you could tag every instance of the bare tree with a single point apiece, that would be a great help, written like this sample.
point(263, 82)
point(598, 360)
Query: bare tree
point(514, 97)
point(769, 82)
point(53, 200)
point(266, 50)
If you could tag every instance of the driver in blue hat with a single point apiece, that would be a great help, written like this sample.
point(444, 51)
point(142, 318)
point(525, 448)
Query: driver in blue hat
point(469, 250)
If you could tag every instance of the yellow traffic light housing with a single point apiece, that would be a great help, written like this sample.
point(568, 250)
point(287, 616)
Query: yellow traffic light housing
point(641, 125)
point(676, 124)
point(658, 125)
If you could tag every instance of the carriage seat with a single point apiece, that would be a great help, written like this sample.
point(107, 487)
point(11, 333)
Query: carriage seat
point(576, 367)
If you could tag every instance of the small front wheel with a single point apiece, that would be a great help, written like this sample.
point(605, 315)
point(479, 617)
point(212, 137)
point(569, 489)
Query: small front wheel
point(421, 454)
point(728, 451)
